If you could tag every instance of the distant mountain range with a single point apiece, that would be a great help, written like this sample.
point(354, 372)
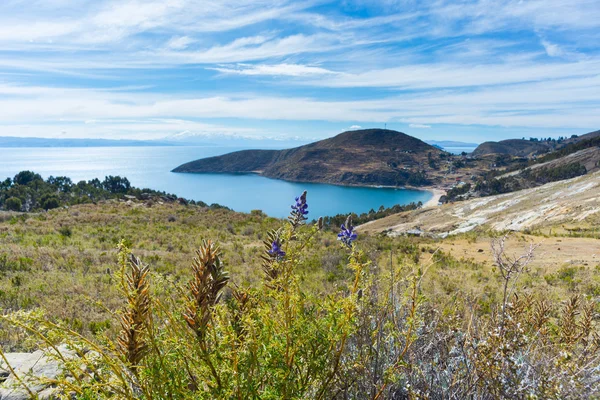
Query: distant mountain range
point(175, 140)
point(360, 157)
point(9, 141)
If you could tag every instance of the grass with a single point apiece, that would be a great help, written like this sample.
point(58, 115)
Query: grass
point(167, 313)
point(383, 318)
point(64, 260)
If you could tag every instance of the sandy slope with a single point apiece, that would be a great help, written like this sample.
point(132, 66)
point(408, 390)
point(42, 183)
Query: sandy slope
point(573, 201)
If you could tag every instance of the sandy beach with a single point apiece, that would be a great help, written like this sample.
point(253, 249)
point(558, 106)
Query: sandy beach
point(437, 193)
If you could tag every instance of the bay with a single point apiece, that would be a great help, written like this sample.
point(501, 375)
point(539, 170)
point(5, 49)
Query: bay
point(149, 167)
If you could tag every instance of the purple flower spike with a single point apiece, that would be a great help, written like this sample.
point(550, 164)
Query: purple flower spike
point(299, 211)
point(276, 250)
point(300, 208)
point(347, 234)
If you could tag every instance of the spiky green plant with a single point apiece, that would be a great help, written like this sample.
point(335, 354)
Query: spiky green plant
point(135, 318)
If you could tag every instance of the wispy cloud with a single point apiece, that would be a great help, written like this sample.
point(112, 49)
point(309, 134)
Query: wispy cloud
point(162, 67)
point(179, 42)
point(272, 70)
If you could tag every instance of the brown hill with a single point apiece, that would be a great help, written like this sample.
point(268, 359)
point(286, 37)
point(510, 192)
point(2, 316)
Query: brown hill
point(362, 157)
point(526, 148)
point(513, 147)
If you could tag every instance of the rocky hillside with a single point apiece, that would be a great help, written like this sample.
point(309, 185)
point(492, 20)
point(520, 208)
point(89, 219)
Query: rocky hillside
point(513, 147)
point(363, 157)
point(527, 148)
point(558, 204)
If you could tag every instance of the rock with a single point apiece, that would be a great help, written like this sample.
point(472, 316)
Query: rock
point(32, 368)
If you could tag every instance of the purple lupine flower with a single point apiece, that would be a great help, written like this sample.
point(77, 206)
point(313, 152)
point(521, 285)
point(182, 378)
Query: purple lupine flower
point(299, 211)
point(300, 208)
point(276, 250)
point(347, 234)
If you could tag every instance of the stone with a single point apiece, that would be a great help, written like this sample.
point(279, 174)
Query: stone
point(32, 368)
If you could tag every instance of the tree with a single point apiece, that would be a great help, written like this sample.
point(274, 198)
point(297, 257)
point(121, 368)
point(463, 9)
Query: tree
point(116, 184)
point(6, 184)
point(26, 177)
point(13, 204)
point(62, 183)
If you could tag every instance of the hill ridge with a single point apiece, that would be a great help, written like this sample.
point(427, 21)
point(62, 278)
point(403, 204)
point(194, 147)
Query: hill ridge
point(359, 157)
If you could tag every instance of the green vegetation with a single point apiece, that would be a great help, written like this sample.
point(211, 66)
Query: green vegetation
point(279, 310)
point(336, 221)
point(570, 149)
point(28, 191)
point(527, 178)
point(394, 318)
point(455, 193)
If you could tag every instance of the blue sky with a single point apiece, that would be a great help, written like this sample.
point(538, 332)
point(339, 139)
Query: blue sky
point(471, 70)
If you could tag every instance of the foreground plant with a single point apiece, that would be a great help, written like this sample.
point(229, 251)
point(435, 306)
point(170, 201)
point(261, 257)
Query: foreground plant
point(376, 336)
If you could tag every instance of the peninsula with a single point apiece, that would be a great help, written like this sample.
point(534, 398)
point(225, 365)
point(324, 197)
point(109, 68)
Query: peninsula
point(360, 157)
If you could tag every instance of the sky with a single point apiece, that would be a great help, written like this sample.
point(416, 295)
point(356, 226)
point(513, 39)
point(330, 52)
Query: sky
point(470, 70)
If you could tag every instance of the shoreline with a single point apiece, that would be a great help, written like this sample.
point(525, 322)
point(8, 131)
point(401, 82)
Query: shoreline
point(436, 192)
point(435, 199)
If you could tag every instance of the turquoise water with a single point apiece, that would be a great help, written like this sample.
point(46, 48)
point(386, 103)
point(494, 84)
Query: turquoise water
point(150, 167)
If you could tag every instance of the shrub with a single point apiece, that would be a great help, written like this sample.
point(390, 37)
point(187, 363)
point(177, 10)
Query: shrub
point(49, 202)
point(13, 204)
point(65, 231)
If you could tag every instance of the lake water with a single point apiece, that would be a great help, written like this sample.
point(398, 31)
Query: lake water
point(149, 167)
point(459, 150)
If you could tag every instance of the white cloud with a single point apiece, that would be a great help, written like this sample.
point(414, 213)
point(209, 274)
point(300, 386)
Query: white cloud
point(564, 103)
point(476, 62)
point(453, 75)
point(419, 126)
point(250, 48)
point(553, 50)
point(272, 70)
point(179, 42)
point(355, 127)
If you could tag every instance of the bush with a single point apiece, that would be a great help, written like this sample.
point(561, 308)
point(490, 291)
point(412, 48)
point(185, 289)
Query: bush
point(49, 202)
point(13, 204)
point(65, 231)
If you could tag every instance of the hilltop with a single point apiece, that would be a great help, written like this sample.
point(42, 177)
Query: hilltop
point(513, 147)
point(530, 147)
point(361, 157)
